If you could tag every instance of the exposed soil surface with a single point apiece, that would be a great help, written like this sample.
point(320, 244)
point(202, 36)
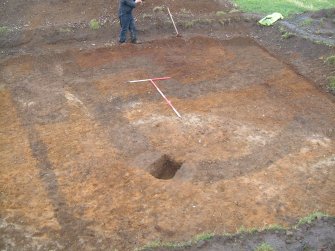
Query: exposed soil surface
point(92, 162)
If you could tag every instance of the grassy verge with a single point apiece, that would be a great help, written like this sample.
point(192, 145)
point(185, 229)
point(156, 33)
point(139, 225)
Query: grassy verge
point(310, 218)
point(208, 236)
point(285, 7)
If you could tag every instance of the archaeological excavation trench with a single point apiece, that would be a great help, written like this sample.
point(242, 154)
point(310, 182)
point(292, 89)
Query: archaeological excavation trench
point(91, 159)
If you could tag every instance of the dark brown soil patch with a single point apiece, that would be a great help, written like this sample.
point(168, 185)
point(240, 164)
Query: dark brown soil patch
point(164, 168)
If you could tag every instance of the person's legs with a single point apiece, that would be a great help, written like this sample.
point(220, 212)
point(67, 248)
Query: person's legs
point(132, 29)
point(124, 22)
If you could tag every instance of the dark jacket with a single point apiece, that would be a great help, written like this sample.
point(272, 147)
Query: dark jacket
point(126, 7)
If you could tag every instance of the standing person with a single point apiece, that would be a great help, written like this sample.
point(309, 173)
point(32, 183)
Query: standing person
point(127, 21)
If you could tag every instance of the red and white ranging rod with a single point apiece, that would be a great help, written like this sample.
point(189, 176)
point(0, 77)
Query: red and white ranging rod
point(174, 24)
point(152, 80)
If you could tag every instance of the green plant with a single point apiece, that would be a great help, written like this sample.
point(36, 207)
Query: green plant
point(307, 248)
point(322, 22)
point(244, 230)
point(94, 24)
point(150, 245)
point(284, 33)
point(224, 21)
point(64, 30)
point(313, 216)
point(188, 24)
point(287, 35)
point(331, 84)
point(307, 22)
point(273, 227)
point(264, 247)
point(329, 13)
point(282, 29)
point(158, 8)
point(145, 15)
point(160, 244)
point(191, 23)
point(330, 60)
point(220, 13)
point(233, 11)
point(204, 237)
point(204, 21)
point(185, 11)
point(322, 43)
point(173, 245)
point(4, 30)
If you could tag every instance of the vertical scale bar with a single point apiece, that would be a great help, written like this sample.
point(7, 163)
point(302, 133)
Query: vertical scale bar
point(168, 101)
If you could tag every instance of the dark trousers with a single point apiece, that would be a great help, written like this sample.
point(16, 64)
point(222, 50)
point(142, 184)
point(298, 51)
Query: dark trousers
point(127, 22)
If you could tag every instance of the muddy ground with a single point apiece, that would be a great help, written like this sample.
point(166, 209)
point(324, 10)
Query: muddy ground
point(91, 162)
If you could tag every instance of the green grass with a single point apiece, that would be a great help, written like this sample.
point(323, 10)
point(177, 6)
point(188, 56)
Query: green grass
point(313, 216)
point(287, 35)
point(220, 13)
point(188, 24)
point(233, 11)
point(323, 43)
point(173, 245)
point(242, 230)
point(331, 84)
point(330, 60)
point(146, 15)
point(307, 22)
point(264, 247)
point(4, 30)
point(285, 7)
point(185, 11)
point(160, 244)
point(203, 237)
point(191, 23)
point(94, 24)
point(273, 227)
point(158, 8)
point(64, 30)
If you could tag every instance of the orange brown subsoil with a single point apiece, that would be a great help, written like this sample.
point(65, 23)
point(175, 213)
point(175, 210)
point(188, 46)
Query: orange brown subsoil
point(256, 143)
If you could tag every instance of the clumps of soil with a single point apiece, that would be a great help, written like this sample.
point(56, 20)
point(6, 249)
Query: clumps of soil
point(164, 168)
